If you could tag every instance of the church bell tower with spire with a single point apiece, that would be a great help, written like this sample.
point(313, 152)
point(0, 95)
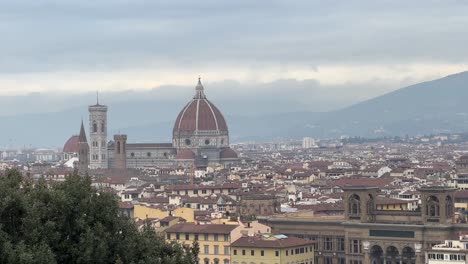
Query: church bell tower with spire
point(98, 136)
point(83, 152)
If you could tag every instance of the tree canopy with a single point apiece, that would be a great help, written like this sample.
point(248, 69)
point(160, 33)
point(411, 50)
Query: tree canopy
point(72, 222)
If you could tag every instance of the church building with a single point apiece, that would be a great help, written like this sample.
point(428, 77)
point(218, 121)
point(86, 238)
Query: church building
point(200, 138)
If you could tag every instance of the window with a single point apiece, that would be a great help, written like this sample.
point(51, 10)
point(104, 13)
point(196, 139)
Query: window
point(195, 237)
point(234, 252)
point(103, 127)
point(177, 236)
point(94, 127)
point(226, 250)
point(207, 142)
point(341, 244)
point(252, 252)
point(226, 238)
point(262, 253)
point(243, 252)
point(148, 154)
point(206, 249)
point(287, 252)
point(328, 244)
point(206, 237)
point(277, 253)
point(355, 246)
point(215, 237)
point(187, 142)
point(216, 250)
point(168, 236)
point(103, 156)
point(187, 236)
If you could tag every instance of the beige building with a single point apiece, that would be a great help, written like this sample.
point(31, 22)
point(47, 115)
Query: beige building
point(452, 251)
point(254, 205)
point(266, 249)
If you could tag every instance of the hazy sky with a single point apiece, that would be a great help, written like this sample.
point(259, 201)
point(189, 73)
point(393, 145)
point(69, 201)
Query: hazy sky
point(87, 45)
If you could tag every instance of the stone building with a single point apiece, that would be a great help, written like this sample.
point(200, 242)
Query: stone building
point(200, 138)
point(365, 235)
point(83, 151)
point(254, 205)
point(98, 136)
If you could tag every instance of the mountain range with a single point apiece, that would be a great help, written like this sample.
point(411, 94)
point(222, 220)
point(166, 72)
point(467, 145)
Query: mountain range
point(429, 107)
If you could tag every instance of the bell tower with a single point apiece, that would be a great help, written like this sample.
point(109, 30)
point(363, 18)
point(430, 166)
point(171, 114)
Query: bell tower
point(98, 136)
point(120, 152)
point(83, 154)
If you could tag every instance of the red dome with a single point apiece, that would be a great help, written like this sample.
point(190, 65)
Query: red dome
point(72, 146)
point(200, 114)
point(228, 153)
point(185, 154)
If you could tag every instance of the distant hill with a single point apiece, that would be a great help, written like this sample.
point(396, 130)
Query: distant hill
point(424, 108)
point(429, 107)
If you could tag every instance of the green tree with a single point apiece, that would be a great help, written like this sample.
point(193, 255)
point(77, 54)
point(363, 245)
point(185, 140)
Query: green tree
point(71, 222)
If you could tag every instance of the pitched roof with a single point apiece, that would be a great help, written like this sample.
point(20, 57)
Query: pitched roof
point(82, 136)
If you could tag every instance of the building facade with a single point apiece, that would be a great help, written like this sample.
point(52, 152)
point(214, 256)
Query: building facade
point(214, 240)
point(272, 250)
point(366, 235)
point(452, 251)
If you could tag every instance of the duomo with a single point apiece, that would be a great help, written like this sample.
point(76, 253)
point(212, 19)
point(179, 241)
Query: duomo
point(200, 138)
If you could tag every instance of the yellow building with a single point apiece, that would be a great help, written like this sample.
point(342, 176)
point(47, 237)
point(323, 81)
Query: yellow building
point(390, 204)
point(214, 240)
point(145, 212)
point(266, 249)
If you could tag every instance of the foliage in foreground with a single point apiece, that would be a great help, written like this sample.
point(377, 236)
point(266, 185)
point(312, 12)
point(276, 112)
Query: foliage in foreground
point(70, 222)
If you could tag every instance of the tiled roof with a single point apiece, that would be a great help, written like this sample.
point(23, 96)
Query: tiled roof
point(201, 229)
point(72, 145)
point(261, 242)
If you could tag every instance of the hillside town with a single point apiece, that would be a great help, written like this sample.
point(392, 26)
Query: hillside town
point(244, 211)
point(335, 201)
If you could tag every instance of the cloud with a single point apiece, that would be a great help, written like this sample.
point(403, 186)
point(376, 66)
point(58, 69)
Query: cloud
point(120, 44)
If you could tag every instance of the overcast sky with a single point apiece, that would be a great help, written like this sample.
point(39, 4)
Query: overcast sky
point(370, 47)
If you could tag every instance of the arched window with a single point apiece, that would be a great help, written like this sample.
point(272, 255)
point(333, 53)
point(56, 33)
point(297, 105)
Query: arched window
point(118, 147)
point(94, 127)
point(354, 203)
point(103, 127)
point(432, 207)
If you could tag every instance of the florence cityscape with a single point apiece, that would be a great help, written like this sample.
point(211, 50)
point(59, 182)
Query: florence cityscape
point(244, 132)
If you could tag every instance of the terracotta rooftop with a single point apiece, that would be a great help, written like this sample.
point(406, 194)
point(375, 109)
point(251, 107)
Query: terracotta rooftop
point(261, 242)
point(201, 229)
